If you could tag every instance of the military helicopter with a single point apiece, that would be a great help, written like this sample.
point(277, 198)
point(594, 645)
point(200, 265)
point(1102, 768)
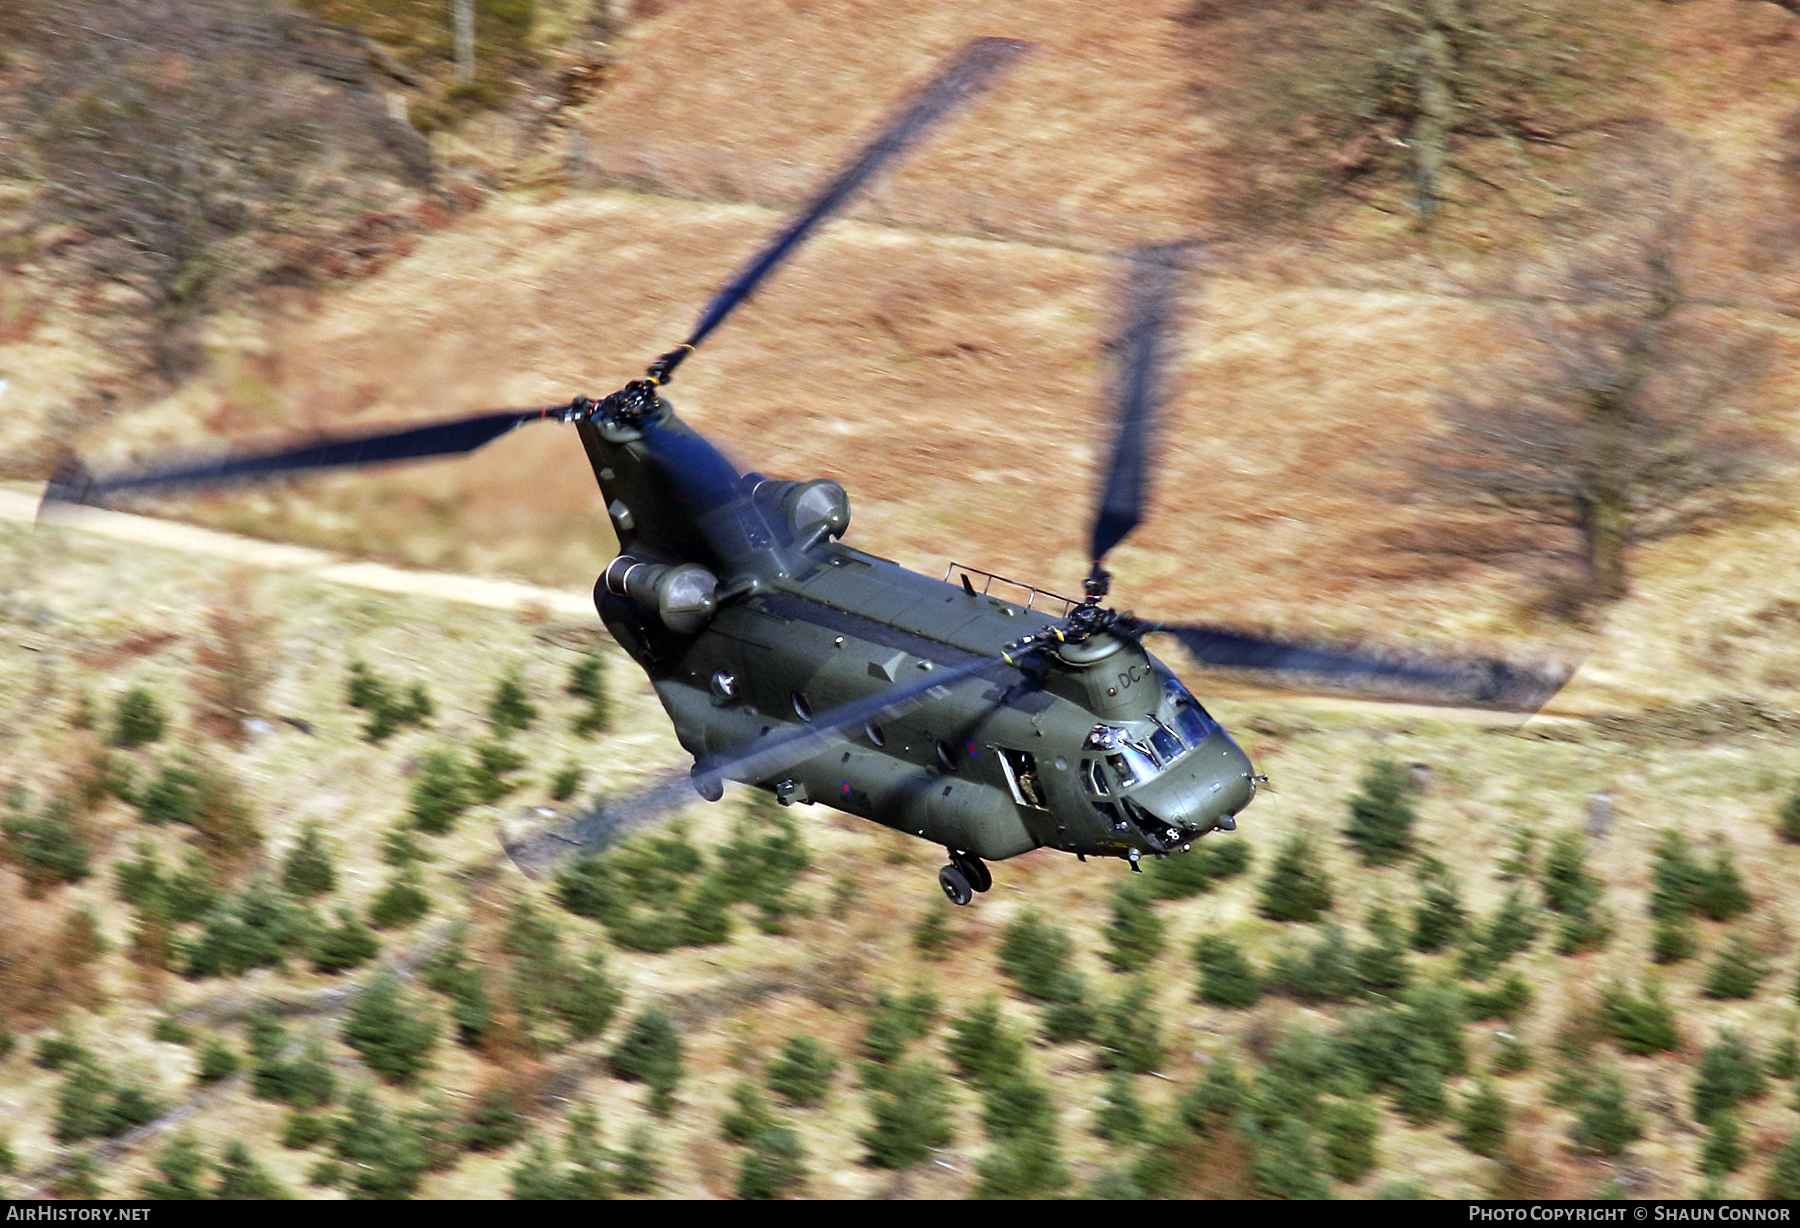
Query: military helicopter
point(799, 665)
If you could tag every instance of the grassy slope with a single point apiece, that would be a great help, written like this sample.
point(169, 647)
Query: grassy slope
point(863, 362)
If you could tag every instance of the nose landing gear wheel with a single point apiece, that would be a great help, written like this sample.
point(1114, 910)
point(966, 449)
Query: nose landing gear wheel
point(955, 885)
point(973, 868)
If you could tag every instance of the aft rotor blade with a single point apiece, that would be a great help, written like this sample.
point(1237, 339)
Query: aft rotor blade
point(752, 764)
point(1144, 347)
point(72, 484)
point(1476, 682)
point(974, 68)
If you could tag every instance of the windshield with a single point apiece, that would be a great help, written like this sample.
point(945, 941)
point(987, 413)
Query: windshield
point(1133, 760)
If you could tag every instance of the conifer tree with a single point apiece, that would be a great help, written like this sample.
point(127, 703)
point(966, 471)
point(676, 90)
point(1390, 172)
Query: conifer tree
point(511, 710)
point(1605, 1124)
point(1216, 1099)
point(1724, 1151)
point(308, 870)
point(393, 1036)
point(1226, 977)
point(639, 1168)
point(587, 682)
point(350, 945)
point(1120, 1117)
point(1736, 970)
point(775, 1165)
point(1440, 916)
point(1729, 1075)
point(1382, 815)
point(1297, 888)
point(1485, 1121)
point(650, 1052)
point(137, 720)
point(1131, 1031)
point(242, 1179)
point(803, 1073)
point(1349, 1127)
point(982, 1048)
point(1134, 936)
point(1640, 1024)
point(441, 793)
point(909, 1104)
point(182, 1167)
point(1789, 825)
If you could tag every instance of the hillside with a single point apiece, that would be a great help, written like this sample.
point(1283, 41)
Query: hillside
point(941, 352)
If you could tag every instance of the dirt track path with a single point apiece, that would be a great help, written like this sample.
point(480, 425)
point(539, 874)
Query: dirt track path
point(19, 502)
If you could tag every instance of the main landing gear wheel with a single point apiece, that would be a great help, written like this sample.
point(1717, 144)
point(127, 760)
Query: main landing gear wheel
point(955, 885)
point(973, 868)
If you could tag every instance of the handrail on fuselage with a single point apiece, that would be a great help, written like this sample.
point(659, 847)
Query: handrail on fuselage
point(1032, 592)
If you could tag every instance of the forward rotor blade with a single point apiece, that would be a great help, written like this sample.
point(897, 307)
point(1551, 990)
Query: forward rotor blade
point(72, 484)
point(751, 764)
point(1144, 347)
point(1477, 682)
point(975, 67)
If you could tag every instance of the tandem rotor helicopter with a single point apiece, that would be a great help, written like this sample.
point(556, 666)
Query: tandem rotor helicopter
point(795, 664)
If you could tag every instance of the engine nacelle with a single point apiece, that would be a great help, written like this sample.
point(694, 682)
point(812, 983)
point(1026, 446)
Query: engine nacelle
point(683, 596)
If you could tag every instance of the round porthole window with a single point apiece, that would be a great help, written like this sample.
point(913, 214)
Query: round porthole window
point(876, 737)
point(802, 709)
point(946, 756)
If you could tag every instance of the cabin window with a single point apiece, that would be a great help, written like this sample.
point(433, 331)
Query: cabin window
point(946, 756)
point(1094, 777)
point(876, 736)
point(1022, 775)
point(802, 709)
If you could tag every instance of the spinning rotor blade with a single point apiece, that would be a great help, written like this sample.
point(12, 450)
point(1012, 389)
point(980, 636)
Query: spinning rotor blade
point(758, 761)
point(975, 67)
point(72, 484)
point(1479, 683)
point(1144, 346)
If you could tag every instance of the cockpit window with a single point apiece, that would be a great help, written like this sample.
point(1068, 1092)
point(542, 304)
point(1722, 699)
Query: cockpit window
point(1165, 746)
point(1191, 720)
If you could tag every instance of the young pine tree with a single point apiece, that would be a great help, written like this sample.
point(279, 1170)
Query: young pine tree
point(1297, 888)
point(1382, 815)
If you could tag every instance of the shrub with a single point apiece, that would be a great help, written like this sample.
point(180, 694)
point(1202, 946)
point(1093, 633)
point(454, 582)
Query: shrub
point(1297, 888)
point(1120, 1117)
point(1382, 815)
point(1724, 1151)
point(137, 720)
point(566, 781)
point(932, 934)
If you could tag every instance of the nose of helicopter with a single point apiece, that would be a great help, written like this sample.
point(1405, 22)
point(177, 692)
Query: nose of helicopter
point(1204, 789)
